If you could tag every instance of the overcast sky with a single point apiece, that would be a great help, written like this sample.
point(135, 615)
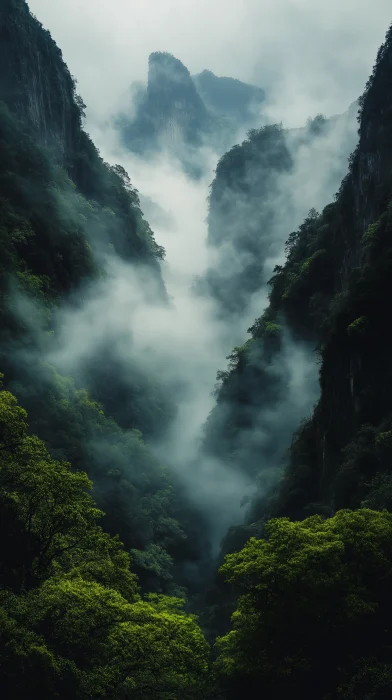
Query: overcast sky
point(311, 55)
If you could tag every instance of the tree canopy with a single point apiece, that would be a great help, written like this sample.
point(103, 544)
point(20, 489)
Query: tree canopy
point(73, 623)
point(314, 614)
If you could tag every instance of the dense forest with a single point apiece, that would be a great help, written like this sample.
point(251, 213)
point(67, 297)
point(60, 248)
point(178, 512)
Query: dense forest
point(109, 587)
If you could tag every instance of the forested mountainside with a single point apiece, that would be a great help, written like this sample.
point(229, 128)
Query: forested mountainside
point(98, 540)
point(333, 291)
point(181, 112)
point(258, 190)
point(65, 214)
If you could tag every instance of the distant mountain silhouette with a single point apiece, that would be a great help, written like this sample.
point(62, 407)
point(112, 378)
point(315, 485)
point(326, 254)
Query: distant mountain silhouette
point(177, 110)
point(229, 97)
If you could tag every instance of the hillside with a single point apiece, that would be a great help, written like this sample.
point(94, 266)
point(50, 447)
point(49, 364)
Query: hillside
point(112, 584)
point(256, 194)
point(331, 292)
point(66, 215)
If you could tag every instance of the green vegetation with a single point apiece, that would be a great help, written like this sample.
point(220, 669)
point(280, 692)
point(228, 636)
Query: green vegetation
point(241, 215)
point(100, 545)
point(63, 213)
point(73, 624)
point(314, 616)
point(333, 292)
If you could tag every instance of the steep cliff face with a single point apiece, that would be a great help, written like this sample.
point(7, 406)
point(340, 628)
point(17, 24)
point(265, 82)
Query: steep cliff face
point(334, 290)
point(242, 215)
point(63, 211)
point(173, 105)
point(35, 82)
point(65, 215)
point(181, 112)
point(40, 93)
point(258, 190)
point(341, 455)
point(170, 111)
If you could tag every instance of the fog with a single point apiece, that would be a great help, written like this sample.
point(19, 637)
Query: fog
point(310, 58)
point(180, 343)
point(183, 343)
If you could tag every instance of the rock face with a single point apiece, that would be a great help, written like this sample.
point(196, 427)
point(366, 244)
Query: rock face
point(182, 113)
point(38, 89)
point(64, 212)
point(228, 97)
point(350, 429)
point(173, 105)
point(334, 290)
point(35, 82)
point(170, 112)
point(257, 194)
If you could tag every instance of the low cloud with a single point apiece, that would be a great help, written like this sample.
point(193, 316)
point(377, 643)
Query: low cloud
point(309, 56)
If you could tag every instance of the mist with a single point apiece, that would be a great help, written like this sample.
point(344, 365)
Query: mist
point(310, 57)
point(179, 342)
point(182, 341)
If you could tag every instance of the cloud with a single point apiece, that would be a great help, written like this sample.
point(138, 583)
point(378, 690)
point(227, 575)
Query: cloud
point(311, 56)
point(183, 344)
point(179, 344)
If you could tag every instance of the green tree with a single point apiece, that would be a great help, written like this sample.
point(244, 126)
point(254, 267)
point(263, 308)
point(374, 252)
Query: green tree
point(315, 601)
point(72, 622)
point(77, 638)
point(47, 512)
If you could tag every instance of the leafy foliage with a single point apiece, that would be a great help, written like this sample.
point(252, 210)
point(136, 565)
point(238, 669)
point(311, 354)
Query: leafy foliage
point(314, 608)
point(63, 213)
point(332, 292)
point(72, 621)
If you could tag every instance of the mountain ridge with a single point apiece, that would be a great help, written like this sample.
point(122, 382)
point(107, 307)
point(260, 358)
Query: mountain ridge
point(179, 111)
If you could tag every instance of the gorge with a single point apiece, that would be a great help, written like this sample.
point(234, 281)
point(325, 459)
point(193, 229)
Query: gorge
point(200, 232)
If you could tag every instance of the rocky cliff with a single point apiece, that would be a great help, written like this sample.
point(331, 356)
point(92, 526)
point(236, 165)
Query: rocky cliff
point(334, 292)
point(258, 191)
point(181, 112)
point(69, 222)
point(35, 82)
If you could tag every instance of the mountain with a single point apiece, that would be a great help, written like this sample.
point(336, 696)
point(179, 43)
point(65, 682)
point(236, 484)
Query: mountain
point(342, 298)
point(66, 217)
point(170, 110)
point(258, 191)
point(332, 292)
point(94, 602)
point(313, 580)
point(229, 97)
point(182, 112)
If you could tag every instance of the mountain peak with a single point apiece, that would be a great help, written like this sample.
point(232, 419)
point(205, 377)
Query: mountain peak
point(166, 63)
point(167, 75)
point(226, 96)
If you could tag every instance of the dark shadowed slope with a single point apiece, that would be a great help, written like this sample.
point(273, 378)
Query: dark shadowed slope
point(64, 213)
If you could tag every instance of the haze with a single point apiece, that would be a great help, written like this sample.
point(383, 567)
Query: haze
point(310, 56)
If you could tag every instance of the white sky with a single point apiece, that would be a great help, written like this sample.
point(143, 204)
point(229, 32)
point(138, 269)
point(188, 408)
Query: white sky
point(311, 55)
